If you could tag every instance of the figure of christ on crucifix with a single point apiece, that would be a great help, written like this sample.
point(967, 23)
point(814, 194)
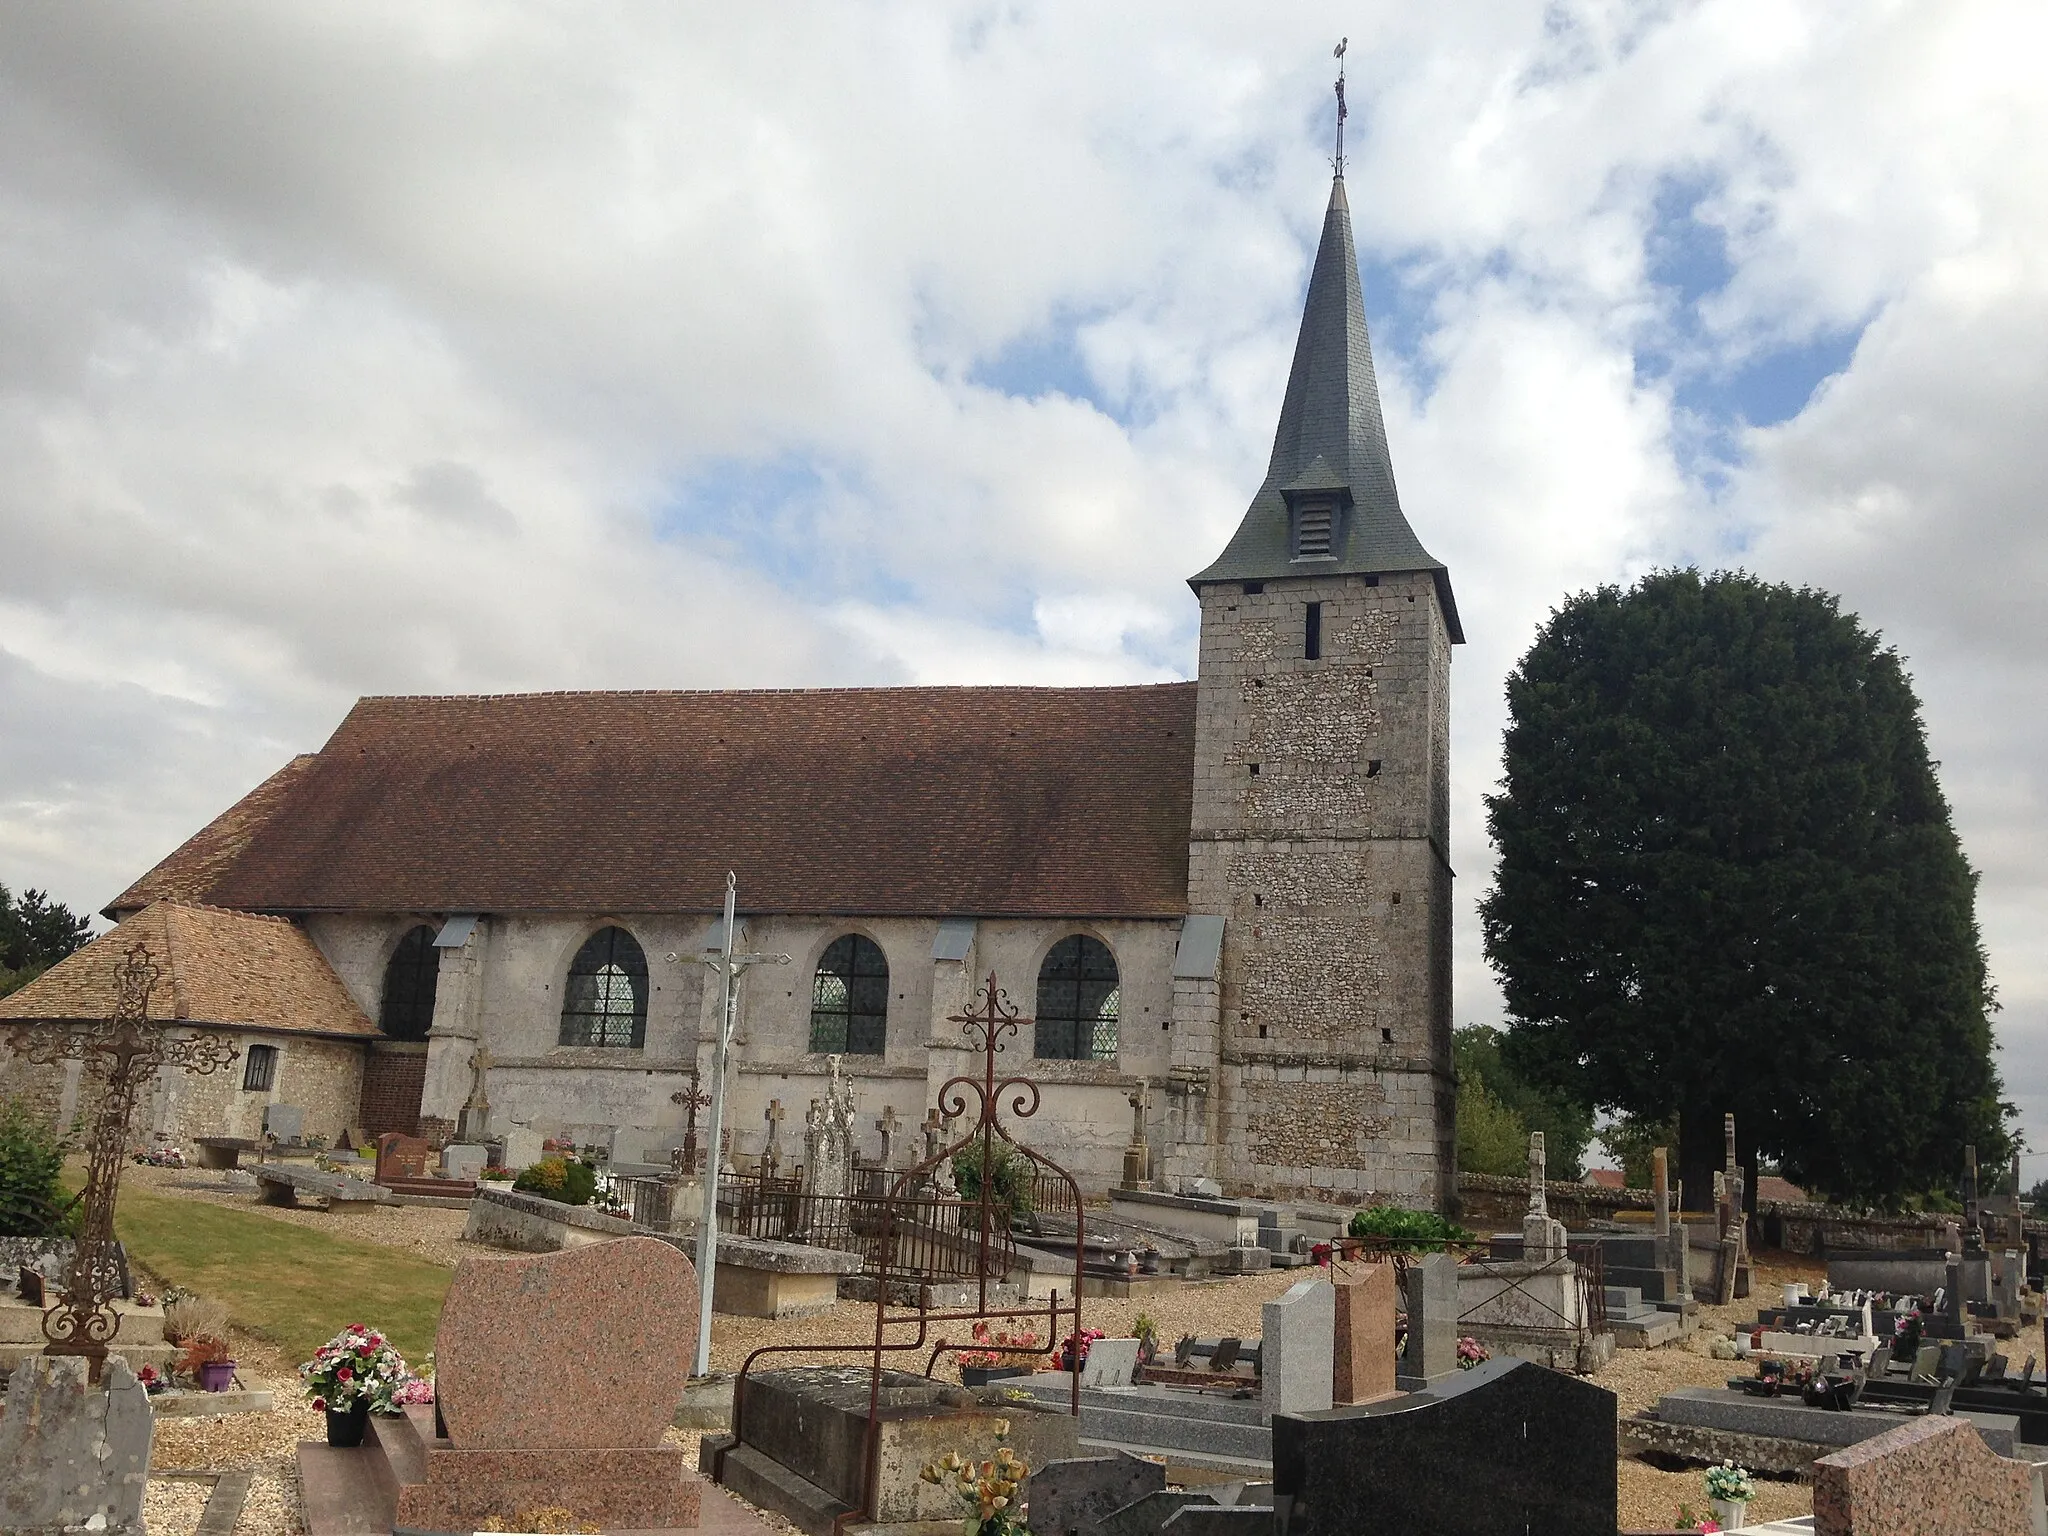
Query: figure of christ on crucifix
point(124, 1052)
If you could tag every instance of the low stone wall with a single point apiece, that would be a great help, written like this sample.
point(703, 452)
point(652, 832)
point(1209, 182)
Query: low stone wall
point(1489, 1203)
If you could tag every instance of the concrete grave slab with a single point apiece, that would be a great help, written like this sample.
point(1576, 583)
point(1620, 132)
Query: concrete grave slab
point(1110, 1363)
point(1066, 1498)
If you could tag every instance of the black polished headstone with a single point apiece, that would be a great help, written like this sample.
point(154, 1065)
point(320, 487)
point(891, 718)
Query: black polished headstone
point(1506, 1447)
point(1065, 1497)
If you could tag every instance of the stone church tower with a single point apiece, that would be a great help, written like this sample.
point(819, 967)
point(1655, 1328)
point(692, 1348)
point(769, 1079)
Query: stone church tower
point(1315, 1058)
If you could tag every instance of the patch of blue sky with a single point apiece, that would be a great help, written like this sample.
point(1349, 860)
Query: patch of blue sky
point(1400, 308)
point(1050, 361)
point(1720, 385)
point(773, 517)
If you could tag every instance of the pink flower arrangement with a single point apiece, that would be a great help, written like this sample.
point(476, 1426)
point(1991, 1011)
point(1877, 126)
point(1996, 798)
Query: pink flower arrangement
point(996, 1346)
point(357, 1364)
point(1074, 1352)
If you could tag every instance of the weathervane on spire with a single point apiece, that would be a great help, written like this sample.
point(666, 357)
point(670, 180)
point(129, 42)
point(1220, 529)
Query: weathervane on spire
point(1337, 164)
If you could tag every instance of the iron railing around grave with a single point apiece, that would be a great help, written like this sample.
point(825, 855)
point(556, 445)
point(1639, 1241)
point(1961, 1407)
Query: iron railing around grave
point(982, 1230)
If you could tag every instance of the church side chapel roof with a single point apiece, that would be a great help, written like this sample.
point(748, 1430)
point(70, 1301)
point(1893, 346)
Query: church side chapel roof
point(980, 802)
point(1331, 438)
point(218, 968)
point(191, 870)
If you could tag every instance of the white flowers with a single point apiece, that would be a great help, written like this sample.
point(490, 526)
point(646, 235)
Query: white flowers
point(1730, 1483)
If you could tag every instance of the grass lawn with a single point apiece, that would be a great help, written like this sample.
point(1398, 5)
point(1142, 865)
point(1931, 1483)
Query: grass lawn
point(291, 1285)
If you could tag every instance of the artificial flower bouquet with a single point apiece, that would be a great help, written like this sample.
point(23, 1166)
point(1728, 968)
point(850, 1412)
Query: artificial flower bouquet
point(358, 1364)
point(988, 1491)
point(1471, 1352)
point(1730, 1484)
point(997, 1347)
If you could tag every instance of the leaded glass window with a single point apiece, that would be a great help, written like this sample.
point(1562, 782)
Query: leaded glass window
point(1077, 1001)
point(407, 1011)
point(605, 1002)
point(850, 998)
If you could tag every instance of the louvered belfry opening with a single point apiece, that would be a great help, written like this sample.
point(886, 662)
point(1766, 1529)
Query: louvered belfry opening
point(1315, 531)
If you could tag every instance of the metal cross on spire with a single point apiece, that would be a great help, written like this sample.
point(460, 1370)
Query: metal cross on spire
point(730, 968)
point(1337, 163)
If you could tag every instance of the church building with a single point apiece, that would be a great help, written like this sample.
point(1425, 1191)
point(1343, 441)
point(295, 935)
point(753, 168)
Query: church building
point(1236, 890)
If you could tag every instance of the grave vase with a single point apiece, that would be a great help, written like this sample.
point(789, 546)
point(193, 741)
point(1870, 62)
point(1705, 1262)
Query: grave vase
point(1730, 1514)
point(345, 1427)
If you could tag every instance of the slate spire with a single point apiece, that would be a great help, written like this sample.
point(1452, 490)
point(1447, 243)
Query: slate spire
point(1331, 441)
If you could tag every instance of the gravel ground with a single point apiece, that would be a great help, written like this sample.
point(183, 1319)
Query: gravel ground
point(172, 1506)
point(266, 1443)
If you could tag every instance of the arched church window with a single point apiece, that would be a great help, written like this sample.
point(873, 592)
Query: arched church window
point(605, 1002)
point(1077, 1001)
point(407, 1011)
point(850, 998)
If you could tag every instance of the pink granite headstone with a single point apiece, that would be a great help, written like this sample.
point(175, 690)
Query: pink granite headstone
point(1928, 1477)
point(557, 1375)
point(588, 1347)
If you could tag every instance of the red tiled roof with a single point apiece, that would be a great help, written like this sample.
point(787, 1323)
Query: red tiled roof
point(1606, 1178)
point(231, 968)
point(927, 801)
point(197, 863)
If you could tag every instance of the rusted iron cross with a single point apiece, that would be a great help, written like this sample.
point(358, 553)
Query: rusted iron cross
point(692, 1101)
point(125, 1051)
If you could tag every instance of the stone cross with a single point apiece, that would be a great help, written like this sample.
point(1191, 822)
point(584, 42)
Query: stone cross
point(771, 1154)
point(934, 1128)
point(472, 1124)
point(1138, 1156)
point(1973, 1227)
point(1539, 1197)
point(126, 1050)
point(888, 1125)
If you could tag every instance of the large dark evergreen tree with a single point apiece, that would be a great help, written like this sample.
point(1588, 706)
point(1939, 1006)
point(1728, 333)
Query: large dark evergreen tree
point(1728, 882)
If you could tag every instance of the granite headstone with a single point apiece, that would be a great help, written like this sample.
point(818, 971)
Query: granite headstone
point(1063, 1498)
point(1297, 1334)
point(1432, 1352)
point(1507, 1446)
point(1110, 1363)
point(1362, 1359)
point(1929, 1477)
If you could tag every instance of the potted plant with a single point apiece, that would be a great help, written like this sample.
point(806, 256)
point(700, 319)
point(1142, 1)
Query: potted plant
point(997, 1356)
point(1146, 1331)
point(353, 1374)
point(209, 1361)
point(1730, 1489)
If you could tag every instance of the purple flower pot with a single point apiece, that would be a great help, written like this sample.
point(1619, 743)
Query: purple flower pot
point(217, 1375)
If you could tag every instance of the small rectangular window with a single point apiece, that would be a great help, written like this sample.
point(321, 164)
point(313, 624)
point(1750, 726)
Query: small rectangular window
point(1254, 588)
point(261, 1072)
point(1372, 581)
point(1312, 635)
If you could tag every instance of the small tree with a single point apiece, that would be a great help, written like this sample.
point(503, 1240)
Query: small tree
point(32, 1198)
point(35, 933)
point(1567, 1126)
point(1491, 1137)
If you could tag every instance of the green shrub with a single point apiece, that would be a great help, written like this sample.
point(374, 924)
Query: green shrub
point(32, 1198)
point(1413, 1231)
point(1009, 1177)
point(1492, 1138)
point(557, 1178)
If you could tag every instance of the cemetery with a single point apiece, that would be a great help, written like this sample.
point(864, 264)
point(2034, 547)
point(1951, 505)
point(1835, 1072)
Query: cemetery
point(469, 1189)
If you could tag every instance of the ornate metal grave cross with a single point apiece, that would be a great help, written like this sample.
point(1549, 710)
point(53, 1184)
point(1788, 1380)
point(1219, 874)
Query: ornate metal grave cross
point(126, 1051)
point(692, 1101)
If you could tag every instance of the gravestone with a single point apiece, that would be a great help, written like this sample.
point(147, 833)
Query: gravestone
point(401, 1157)
point(1507, 1446)
point(1110, 1363)
point(1063, 1498)
point(74, 1454)
point(1543, 1238)
point(537, 1417)
point(1432, 1352)
point(463, 1160)
point(1929, 1477)
point(1362, 1358)
point(1296, 1336)
point(522, 1147)
point(287, 1122)
point(1146, 1516)
point(828, 1140)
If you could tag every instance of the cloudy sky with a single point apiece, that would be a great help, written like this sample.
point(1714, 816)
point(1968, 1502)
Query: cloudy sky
point(384, 347)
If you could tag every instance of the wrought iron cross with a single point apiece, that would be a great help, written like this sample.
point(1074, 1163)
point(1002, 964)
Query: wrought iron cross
point(126, 1050)
point(692, 1101)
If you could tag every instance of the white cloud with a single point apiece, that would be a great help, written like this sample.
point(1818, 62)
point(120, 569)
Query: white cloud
point(379, 348)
